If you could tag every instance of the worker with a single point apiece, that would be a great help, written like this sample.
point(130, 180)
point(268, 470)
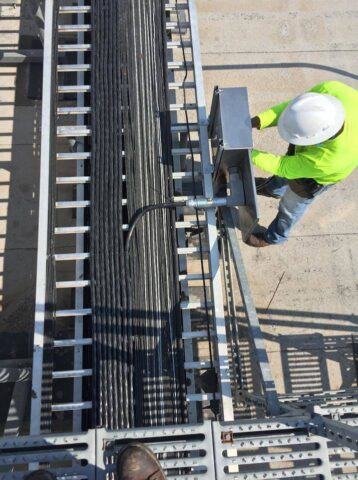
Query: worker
point(321, 128)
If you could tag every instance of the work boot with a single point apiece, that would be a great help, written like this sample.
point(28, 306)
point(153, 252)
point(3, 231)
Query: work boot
point(40, 475)
point(260, 183)
point(137, 462)
point(257, 240)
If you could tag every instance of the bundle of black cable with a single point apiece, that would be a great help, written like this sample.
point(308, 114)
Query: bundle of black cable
point(136, 325)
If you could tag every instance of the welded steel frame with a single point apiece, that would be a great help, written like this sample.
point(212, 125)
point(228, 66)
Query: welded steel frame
point(182, 260)
point(215, 270)
point(42, 245)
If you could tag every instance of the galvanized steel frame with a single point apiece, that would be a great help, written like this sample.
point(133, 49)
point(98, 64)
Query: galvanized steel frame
point(42, 247)
point(217, 290)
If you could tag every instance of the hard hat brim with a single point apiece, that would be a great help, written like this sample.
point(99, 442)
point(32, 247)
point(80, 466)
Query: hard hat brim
point(320, 137)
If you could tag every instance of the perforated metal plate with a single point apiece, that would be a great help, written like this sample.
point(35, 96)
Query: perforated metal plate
point(184, 452)
point(269, 450)
point(69, 456)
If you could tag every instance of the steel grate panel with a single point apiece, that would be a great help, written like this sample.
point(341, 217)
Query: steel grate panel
point(283, 452)
point(186, 451)
point(264, 449)
point(64, 455)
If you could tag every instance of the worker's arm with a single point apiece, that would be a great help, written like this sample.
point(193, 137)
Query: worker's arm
point(269, 118)
point(291, 167)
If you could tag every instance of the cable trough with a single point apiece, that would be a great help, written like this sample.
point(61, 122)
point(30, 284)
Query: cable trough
point(136, 327)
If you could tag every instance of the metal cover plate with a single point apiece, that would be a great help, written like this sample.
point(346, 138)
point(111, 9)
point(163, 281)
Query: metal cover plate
point(281, 452)
point(184, 451)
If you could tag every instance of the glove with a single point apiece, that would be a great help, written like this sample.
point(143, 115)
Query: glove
point(255, 122)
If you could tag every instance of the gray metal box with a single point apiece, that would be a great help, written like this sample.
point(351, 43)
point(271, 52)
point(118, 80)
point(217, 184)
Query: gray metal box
point(231, 142)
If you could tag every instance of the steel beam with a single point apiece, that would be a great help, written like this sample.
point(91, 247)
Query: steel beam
point(339, 432)
point(215, 270)
point(21, 56)
point(42, 248)
point(260, 354)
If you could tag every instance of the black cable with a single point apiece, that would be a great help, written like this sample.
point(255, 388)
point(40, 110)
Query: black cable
point(194, 192)
point(133, 223)
point(139, 379)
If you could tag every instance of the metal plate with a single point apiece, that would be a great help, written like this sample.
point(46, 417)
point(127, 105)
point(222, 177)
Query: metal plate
point(280, 453)
point(184, 451)
point(65, 455)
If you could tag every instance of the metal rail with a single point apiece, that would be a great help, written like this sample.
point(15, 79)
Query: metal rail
point(215, 269)
point(191, 140)
point(71, 148)
point(42, 248)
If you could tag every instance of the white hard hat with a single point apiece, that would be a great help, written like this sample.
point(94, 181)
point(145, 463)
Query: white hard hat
point(311, 118)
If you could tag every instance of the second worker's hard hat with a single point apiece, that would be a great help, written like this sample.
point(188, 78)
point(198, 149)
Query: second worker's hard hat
point(311, 118)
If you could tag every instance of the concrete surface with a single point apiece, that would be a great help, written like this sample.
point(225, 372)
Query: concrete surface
point(19, 177)
point(306, 291)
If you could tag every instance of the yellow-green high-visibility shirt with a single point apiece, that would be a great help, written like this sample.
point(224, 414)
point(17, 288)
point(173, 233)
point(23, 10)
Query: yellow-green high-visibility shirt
point(328, 162)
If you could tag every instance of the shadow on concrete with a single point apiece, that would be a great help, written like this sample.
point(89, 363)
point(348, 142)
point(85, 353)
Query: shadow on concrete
point(20, 119)
point(281, 65)
point(312, 362)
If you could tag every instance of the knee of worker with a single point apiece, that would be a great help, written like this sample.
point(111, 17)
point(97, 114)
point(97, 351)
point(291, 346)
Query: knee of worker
point(292, 206)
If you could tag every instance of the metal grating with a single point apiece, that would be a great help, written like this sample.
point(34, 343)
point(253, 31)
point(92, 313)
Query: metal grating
point(250, 450)
point(268, 450)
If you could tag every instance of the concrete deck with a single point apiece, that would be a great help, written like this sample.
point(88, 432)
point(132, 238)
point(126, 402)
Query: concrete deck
point(306, 291)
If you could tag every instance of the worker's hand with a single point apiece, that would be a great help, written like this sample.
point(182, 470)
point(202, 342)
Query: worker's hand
point(255, 122)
